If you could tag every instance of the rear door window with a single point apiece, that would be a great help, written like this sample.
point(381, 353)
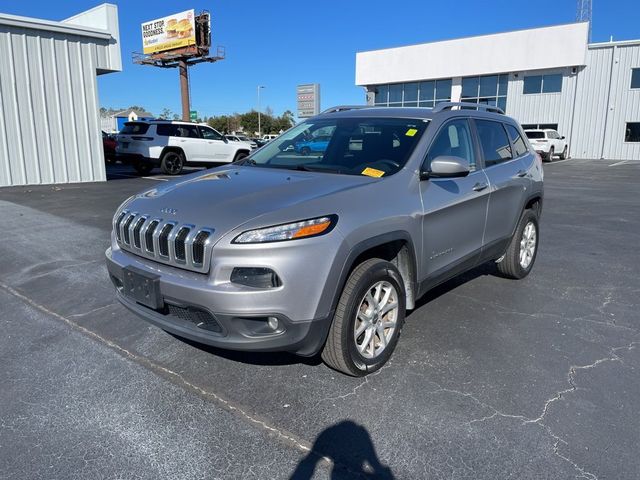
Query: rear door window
point(135, 128)
point(494, 142)
point(519, 146)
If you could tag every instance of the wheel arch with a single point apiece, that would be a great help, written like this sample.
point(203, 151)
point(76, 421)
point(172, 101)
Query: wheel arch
point(173, 149)
point(396, 247)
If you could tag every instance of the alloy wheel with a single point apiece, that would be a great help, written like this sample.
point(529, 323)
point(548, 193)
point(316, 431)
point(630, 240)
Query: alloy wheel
point(528, 244)
point(376, 319)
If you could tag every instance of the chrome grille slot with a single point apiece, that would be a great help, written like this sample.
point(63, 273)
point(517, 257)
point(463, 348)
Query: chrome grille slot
point(164, 239)
point(125, 229)
point(198, 246)
point(136, 232)
point(148, 236)
point(179, 243)
point(118, 224)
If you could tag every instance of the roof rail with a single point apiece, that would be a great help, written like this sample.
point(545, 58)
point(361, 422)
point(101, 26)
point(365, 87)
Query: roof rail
point(466, 105)
point(341, 108)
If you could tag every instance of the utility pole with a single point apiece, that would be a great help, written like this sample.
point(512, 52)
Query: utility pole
point(259, 120)
point(184, 90)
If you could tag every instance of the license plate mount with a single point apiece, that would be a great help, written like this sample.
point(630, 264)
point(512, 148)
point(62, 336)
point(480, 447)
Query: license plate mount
point(143, 287)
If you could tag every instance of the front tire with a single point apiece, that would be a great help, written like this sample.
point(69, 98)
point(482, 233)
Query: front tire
point(172, 163)
point(368, 319)
point(522, 251)
point(240, 156)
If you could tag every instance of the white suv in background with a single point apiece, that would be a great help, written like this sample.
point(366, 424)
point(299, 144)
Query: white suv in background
point(548, 143)
point(172, 145)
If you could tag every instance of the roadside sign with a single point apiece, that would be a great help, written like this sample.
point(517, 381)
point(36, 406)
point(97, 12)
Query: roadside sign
point(193, 115)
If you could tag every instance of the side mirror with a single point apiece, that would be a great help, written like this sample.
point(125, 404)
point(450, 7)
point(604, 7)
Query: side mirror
point(447, 166)
point(562, 137)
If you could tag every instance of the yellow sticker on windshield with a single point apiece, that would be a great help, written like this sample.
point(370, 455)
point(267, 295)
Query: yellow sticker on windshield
point(372, 172)
point(411, 132)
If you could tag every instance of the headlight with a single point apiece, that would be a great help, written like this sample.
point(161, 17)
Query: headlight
point(289, 231)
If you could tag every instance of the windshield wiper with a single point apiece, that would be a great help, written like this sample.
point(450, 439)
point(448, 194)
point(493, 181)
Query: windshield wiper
point(315, 168)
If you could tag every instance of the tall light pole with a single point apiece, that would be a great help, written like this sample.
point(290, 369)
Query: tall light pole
point(260, 87)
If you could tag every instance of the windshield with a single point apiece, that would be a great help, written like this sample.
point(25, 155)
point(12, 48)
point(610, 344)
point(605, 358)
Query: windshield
point(534, 134)
point(355, 146)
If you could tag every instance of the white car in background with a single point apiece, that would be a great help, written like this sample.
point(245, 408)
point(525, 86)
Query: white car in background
point(548, 143)
point(242, 138)
point(172, 145)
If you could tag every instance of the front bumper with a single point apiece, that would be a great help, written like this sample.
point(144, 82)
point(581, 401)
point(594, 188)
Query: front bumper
point(197, 310)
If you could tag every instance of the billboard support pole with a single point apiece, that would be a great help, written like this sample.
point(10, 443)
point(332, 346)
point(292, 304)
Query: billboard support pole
point(184, 90)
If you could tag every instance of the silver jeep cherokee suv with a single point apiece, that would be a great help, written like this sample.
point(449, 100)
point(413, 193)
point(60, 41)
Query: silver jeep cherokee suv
point(326, 252)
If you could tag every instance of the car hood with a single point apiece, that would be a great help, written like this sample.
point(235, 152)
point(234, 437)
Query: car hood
point(225, 198)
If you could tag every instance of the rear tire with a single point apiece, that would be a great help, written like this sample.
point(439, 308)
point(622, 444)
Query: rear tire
point(551, 154)
point(563, 155)
point(172, 163)
point(143, 168)
point(521, 254)
point(368, 319)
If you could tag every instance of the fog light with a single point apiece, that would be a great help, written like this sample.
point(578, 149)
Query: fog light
point(255, 277)
point(273, 323)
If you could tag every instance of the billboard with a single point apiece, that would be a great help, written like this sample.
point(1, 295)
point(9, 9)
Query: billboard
point(308, 96)
point(169, 33)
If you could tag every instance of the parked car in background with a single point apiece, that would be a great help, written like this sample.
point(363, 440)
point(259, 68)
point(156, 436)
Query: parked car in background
point(259, 141)
point(548, 143)
point(269, 136)
point(172, 145)
point(241, 138)
point(109, 146)
point(285, 252)
point(312, 145)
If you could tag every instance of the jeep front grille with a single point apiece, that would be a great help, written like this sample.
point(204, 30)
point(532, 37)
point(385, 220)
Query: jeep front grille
point(184, 246)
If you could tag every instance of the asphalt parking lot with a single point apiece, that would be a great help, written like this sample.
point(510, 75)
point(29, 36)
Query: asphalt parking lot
point(492, 378)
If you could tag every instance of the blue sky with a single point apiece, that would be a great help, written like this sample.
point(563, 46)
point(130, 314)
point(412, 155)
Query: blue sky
point(280, 44)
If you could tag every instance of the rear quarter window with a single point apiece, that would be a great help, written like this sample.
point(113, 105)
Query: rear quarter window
point(135, 128)
point(519, 145)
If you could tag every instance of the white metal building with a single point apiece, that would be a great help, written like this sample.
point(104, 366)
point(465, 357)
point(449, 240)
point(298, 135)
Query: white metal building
point(49, 110)
point(547, 77)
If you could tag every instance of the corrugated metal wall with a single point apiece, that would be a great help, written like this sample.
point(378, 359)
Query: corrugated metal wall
point(591, 104)
point(624, 104)
point(49, 113)
point(543, 107)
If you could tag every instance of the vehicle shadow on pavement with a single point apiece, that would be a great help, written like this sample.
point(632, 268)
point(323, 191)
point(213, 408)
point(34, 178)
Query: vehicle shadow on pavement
point(479, 271)
point(254, 358)
point(349, 446)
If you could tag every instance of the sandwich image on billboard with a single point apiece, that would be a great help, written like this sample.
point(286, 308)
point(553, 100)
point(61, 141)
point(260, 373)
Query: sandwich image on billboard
point(168, 33)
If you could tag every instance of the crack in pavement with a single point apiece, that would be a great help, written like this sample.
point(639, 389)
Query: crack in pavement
point(612, 357)
point(286, 437)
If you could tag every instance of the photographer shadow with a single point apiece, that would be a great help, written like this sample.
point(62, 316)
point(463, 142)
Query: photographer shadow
point(350, 449)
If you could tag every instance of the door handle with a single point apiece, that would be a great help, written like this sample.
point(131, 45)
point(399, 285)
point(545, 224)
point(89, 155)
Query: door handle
point(522, 173)
point(478, 187)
